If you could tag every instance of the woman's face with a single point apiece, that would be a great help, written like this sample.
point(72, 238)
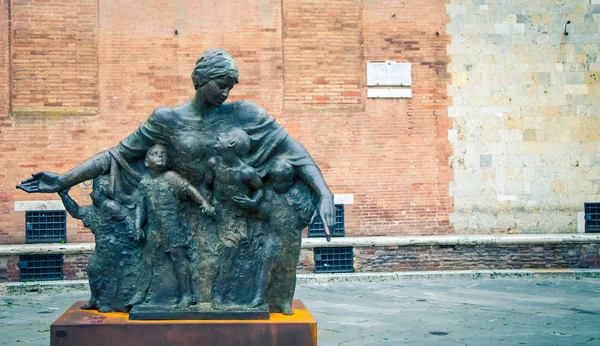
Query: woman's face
point(217, 90)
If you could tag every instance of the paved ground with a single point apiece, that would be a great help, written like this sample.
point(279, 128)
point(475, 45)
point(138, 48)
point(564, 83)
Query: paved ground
point(440, 312)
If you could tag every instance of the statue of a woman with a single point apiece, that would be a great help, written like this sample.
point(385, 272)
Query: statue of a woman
point(188, 131)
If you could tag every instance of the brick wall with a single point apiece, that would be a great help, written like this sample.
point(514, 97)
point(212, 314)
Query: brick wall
point(390, 154)
point(407, 258)
point(4, 62)
point(74, 267)
point(6, 196)
point(322, 54)
point(467, 257)
point(54, 63)
point(9, 270)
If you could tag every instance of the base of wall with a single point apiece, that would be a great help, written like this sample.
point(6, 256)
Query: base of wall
point(390, 254)
point(18, 288)
point(477, 256)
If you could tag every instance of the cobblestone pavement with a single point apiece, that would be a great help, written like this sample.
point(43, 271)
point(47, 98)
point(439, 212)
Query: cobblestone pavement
point(440, 312)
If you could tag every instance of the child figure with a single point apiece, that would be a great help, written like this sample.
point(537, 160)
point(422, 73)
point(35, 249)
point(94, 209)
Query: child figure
point(159, 207)
point(290, 205)
point(237, 190)
point(113, 265)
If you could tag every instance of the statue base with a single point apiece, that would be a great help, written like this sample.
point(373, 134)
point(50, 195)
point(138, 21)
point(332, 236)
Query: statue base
point(202, 311)
point(91, 328)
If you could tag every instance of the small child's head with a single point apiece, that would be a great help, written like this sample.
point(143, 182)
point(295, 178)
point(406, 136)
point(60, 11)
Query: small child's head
point(282, 175)
point(100, 189)
point(157, 159)
point(236, 140)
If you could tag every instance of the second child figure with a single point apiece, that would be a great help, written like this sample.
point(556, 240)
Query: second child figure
point(237, 190)
point(158, 206)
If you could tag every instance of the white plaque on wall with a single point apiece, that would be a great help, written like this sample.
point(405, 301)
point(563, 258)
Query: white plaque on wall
point(389, 73)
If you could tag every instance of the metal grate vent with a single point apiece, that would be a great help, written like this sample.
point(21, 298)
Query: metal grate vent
point(41, 267)
point(592, 217)
point(45, 226)
point(317, 228)
point(334, 260)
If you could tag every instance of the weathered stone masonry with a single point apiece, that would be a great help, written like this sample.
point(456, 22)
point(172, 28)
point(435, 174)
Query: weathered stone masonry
point(525, 114)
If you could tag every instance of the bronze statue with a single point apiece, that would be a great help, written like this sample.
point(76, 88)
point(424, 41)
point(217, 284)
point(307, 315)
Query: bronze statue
point(188, 133)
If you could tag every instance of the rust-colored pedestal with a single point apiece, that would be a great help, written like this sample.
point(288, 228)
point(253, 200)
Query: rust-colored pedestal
point(78, 327)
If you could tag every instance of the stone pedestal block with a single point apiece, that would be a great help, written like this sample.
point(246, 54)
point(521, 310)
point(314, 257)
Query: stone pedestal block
point(82, 327)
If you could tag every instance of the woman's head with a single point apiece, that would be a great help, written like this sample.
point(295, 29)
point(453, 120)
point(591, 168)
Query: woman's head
point(215, 63)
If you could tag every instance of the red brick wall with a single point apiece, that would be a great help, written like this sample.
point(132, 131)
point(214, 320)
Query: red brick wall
point(390, 154)
point(9, 270)
point(4, 62)
point(407, 258)
point(467, 257)
point(322, 54)
point(74, 267)
point(54, 55)
point(6, 196)
point(393, 155)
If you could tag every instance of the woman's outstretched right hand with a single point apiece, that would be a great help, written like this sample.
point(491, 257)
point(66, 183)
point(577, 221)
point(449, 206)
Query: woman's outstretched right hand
point(44, 182)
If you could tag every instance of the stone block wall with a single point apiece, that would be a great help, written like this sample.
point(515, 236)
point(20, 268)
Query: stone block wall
point(525, 114)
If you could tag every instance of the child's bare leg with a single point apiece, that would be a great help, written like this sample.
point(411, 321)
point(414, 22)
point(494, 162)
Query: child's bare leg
point(223, 274)
point(183, 275)
point(286, 301)
point(144, 277)
point(266, 262)
point(92, 304)
point(290, 265)
point(143, 283)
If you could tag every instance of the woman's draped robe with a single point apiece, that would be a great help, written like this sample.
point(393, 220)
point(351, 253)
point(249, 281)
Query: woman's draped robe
point(190, 144)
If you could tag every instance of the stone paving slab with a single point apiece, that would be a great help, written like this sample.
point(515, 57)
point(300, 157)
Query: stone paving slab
point(433, 312)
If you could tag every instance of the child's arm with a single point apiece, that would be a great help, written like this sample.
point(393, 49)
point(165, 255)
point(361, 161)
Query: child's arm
point(70, 205)
point(209, 174)
point(186, 189)
point(197, 197)
point(84, 214)
point(251, 178)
